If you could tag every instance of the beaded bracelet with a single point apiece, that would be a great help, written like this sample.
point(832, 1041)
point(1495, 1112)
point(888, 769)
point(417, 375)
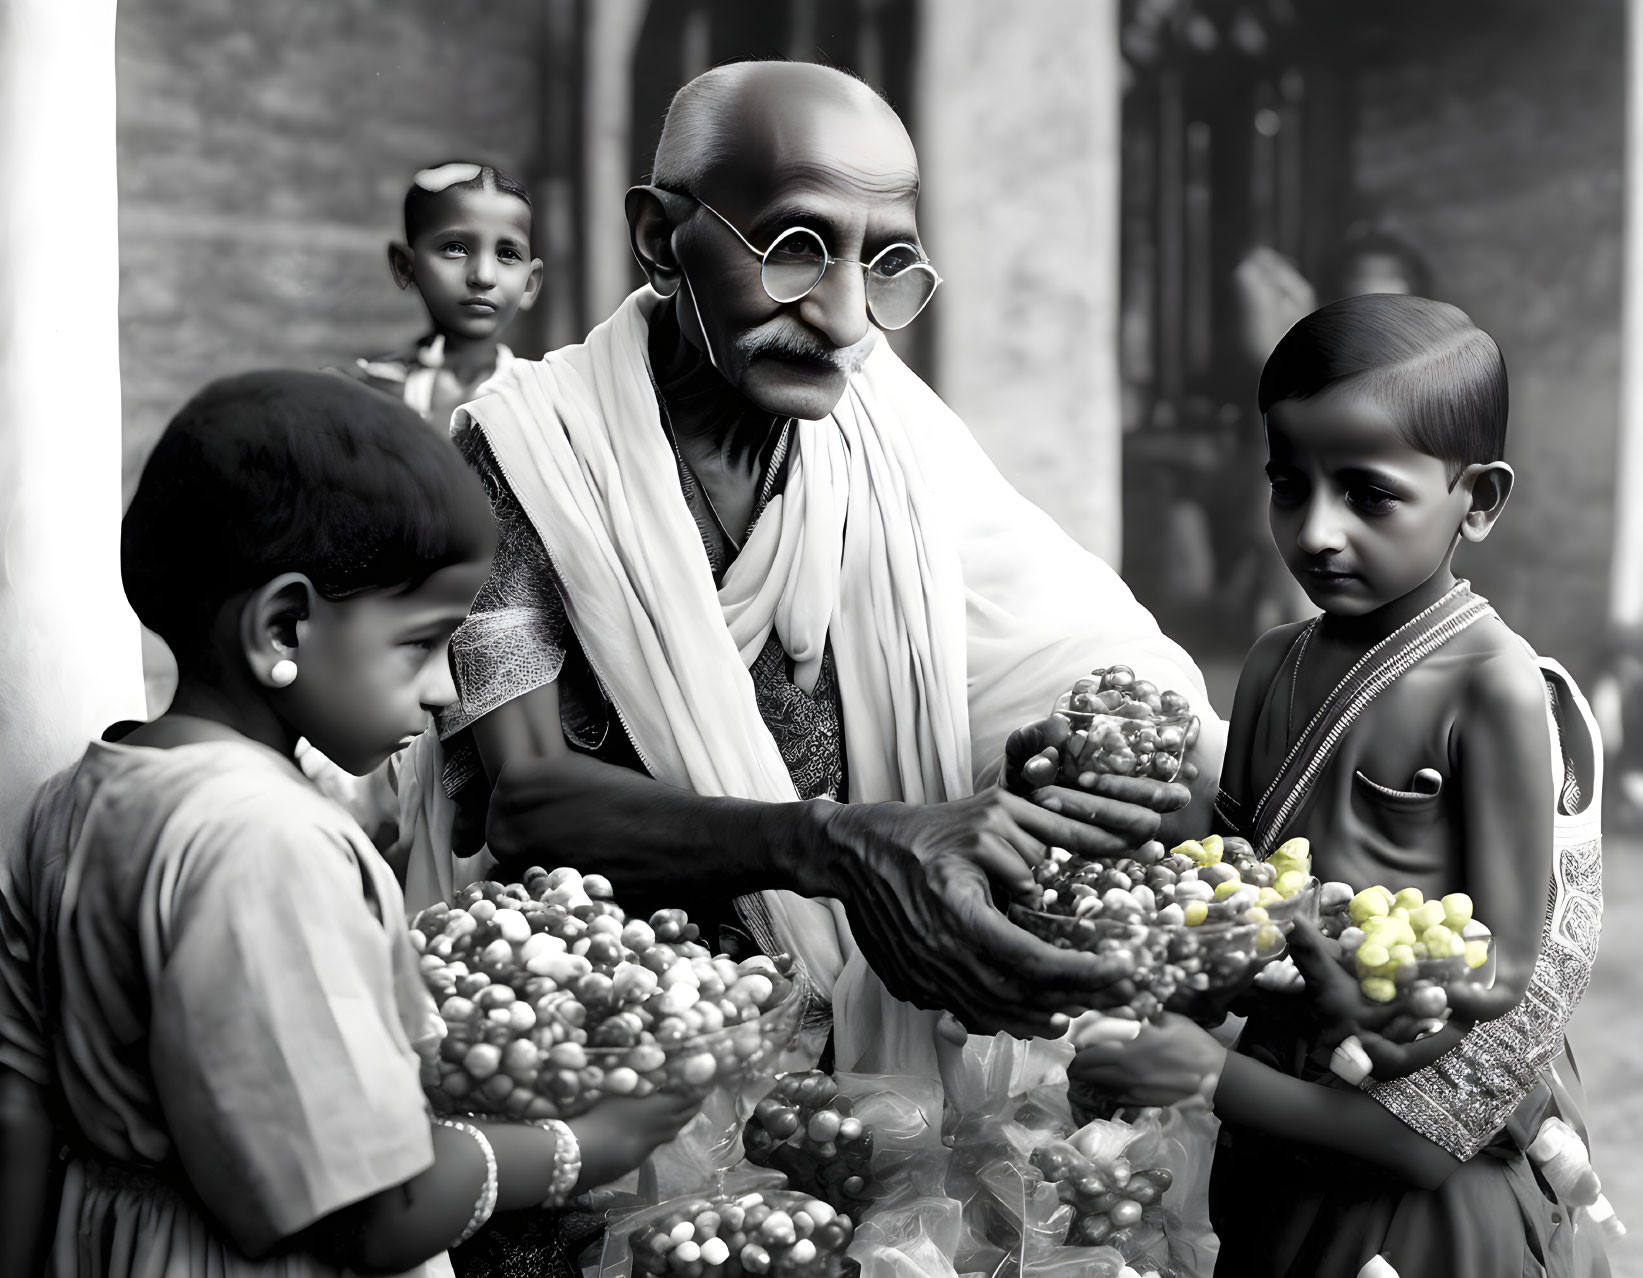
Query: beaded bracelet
point(486, 1203)
point(567, 1161)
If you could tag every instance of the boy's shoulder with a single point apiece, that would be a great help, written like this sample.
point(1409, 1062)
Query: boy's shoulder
point(1267, 653)
point(1498, 668)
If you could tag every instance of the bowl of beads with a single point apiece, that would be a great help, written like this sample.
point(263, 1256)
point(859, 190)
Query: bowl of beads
point(552, 998)
point(1406, 952)
point(1124, 726)
point(1191, 922)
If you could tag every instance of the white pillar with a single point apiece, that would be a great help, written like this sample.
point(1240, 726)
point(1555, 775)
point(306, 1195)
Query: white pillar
point(1020, 159)
point(613, 34)
point(1626, 567)
point(69, 652)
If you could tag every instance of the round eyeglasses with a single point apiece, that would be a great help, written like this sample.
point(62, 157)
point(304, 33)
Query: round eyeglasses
point(899, 281)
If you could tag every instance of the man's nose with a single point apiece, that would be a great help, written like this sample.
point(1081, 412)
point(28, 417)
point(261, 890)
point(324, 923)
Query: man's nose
point(1322, 529)
point(837, 307)
point(481, 270)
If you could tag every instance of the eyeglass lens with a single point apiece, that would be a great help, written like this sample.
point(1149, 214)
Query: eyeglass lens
point(794, 265)
point(898, 284)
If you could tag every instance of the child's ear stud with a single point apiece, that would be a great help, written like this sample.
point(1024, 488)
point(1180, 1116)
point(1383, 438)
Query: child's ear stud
point(284, 673)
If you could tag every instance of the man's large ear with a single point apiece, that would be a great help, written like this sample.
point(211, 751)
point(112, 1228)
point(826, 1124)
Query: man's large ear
point(653, 214)
point(272, 623)
point(1490, 484)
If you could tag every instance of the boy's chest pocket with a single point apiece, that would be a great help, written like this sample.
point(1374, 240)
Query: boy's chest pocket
point(1408, 827)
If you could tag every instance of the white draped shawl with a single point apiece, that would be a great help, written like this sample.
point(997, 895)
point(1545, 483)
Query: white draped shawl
point(957, 610)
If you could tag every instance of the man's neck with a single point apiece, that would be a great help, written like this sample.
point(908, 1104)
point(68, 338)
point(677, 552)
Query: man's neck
point(714, 426)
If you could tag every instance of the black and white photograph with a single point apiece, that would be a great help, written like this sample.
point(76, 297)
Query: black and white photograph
point(821, 638)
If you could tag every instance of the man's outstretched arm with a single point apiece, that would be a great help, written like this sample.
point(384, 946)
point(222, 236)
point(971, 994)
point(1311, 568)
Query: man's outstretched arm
point(920, 884)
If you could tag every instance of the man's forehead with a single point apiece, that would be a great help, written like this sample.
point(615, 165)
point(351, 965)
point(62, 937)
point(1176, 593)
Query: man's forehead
point(814, 147)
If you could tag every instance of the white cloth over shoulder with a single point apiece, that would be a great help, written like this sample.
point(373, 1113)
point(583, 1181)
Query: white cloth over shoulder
point(957, 611)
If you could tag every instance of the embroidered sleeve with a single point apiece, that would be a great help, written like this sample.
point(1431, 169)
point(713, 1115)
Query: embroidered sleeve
point(1462, 1099)
point(515, 636)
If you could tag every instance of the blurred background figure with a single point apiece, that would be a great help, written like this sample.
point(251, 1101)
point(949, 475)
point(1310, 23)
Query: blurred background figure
point(1373, 259)
point(1270, 294)
point(1278, 155)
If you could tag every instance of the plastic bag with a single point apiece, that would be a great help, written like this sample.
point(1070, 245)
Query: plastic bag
point(1073, 1204)
point(905, 1114)
point(976, 1080)
point(1004, 1096)
point(915, 1239)
point(1024, 1216)
point(1077, 1262)
point(1022, 1211)
point(1187, 1149)
point(850, 1139)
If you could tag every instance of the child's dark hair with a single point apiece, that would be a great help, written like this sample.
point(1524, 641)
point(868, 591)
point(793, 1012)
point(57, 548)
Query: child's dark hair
point(1439, 375)
point(274, 472)
point(421, 201)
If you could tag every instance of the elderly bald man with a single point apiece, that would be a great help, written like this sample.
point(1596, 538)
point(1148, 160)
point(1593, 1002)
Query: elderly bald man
point(764, 616)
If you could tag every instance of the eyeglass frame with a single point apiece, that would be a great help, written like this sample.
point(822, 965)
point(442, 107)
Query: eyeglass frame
point(827, 261)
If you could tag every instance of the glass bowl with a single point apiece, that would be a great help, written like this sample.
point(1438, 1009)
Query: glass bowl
point(1141, 745)
point(530, 1077)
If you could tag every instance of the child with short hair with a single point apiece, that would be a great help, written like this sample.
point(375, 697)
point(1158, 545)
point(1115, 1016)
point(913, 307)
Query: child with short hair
point(467, 252)
point(1416, 742)
point(206, 976)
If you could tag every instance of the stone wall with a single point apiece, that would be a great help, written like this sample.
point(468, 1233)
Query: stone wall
point(264, 150)
point(1494, 135)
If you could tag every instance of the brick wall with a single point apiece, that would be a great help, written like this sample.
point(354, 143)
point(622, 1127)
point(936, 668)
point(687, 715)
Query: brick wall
point(1497, 143)
point(264, 151)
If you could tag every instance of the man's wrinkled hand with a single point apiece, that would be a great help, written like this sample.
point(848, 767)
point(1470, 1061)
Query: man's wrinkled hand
point(1109, 816)
point(921, 886)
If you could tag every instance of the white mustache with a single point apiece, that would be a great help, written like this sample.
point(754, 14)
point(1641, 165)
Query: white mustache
point(776, 338)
